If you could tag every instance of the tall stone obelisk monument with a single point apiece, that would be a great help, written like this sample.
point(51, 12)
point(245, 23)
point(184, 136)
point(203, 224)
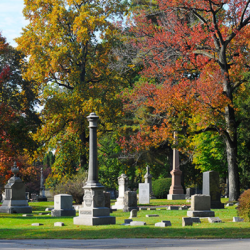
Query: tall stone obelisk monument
point(176, 190)
point(94, 211)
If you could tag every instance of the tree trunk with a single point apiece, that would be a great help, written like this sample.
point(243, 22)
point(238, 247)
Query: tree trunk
point(231, 149)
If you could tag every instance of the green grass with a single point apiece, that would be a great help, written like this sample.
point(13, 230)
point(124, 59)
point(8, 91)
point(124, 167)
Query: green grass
point(15, 226)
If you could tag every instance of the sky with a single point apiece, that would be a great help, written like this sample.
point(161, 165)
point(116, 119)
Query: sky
point(11, 19)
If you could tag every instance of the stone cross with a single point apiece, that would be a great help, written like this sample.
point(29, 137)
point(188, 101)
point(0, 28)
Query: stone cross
point(176, 190)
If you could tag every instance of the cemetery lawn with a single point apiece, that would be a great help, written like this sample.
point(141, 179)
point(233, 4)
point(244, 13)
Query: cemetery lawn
point(15, 226)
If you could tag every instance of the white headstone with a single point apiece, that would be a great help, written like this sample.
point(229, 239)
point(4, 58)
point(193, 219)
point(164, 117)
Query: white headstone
point(144, 193)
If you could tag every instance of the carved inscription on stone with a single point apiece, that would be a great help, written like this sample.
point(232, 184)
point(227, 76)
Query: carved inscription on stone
point(88, 198)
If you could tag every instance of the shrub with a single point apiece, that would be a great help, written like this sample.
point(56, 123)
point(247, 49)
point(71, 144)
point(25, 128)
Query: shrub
point(72, 186)
point(161, 187)
point(244, 205)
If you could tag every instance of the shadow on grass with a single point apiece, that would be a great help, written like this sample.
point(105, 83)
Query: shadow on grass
point(97, 232)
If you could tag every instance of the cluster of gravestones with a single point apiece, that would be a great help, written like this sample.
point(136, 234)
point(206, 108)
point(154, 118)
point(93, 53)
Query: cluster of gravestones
point(95, 209)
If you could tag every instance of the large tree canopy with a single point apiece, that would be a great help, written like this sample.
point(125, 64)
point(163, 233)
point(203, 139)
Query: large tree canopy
point(68, 44)
point(198, 52)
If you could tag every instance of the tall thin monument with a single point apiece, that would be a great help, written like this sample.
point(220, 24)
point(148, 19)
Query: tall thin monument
point(176, 190)
point(94, 211)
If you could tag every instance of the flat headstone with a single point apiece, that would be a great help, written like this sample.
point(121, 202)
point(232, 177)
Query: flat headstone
point(237, 219)
point(183, 207)
point(58, 224)
point(151, 208)
point(137, 223)
point(133, 213)
point(200, 213)
point(161, 208)
point(196, 220)
point(144, 193)
point(164, 223)
point(229, 204)
point(142, 208)
point(127, 221)
point(152, 215)
point(173, 208)
point(27, 215)
point(214, 220)
point(36, 224)
point(187, 221)
point(49, 209)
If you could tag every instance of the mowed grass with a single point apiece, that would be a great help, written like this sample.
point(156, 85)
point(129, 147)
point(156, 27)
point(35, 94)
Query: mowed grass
point(15, 226)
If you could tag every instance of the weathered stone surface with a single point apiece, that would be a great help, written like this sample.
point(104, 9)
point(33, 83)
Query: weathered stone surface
point(142, 208)
point(214, 220)
point(173, 208)
point(63, 206)
point(151, 208)
point(187, 221)
point(164, 223)
point(176, 197)
point(27, 215)
point(130, 201)
point(42, 213)
point(200, 202)
point(133, 213)
point(152, 215)
point(237, 219)
point(229, 204)
point(201, 213)
point(127, 221)
point(15, 196)
point(211, 187)
point(137, 223)
point(148, 179)
point(107, 199)
point(58, 224)
point(36, 224)
point(144, 193)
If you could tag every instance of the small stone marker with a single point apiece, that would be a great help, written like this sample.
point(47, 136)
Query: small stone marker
point(173, 208)
point(142, 208)
point(63, 206)
point(152, 215)
point(187, 221)
point(133, 213)
point(58, 224)
point(49, 209)
point(42, 213)
point(183, 207)
point(214, 220)
point(27, 215)
point(151, 208)
point(137, 223)
point(36, 224)
point(161, 208)
point(130, 201)
point(164, 223)
point(229, 204)
point(237, 219)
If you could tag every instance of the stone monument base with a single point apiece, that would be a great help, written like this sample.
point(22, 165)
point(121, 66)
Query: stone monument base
point(176, 197)
point(94, 216)
point(200, 213)
point(15, 207)
point(63, 212)
point(119, 204)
